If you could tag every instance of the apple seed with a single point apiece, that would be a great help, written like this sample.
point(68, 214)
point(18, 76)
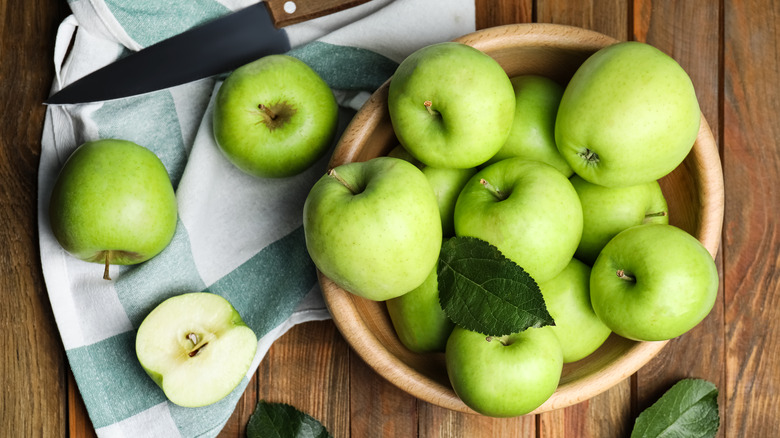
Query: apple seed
point(195, 341)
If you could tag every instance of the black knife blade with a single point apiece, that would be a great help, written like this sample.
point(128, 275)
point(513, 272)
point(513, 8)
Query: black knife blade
point(218, 46)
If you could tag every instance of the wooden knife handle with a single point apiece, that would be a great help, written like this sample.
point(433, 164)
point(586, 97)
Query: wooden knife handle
point(287, 12)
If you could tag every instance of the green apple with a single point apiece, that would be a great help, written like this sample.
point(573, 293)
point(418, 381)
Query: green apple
point(628, 116)
point(418, 319)
point(274, 117)
point(607, 211)
point(113, 203)
point(196, 347)
point(533, 132)
point(504, 376)
point(527, 209)
point(451, 105)
point(577, 327)
point(373, 227)
point(653, 282)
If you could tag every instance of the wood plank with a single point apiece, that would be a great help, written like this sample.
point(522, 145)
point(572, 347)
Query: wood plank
point(489, 13)
point(377, 407)
point(751, 158)
point(33, 375)
point(608, 414)
point(436, 422)
point(688, 31)
point(308, 367)
point(609, 17)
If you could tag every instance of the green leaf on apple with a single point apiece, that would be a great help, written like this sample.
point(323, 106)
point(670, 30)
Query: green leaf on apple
point(281, 420)
point(483, 291)
point(687, 409)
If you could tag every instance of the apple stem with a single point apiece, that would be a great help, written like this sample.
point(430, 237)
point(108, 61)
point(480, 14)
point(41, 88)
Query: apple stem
point(428, 104)
point(105, 270)
point(493, 189)
point(656, 214)
point(622, 275)
point(501, 340)
point(332, 173)
point(267, 111)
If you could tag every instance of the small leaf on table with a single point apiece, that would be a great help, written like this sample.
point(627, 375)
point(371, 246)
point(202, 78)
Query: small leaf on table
point(279, 420)
point(483, 291)
point(687, 409)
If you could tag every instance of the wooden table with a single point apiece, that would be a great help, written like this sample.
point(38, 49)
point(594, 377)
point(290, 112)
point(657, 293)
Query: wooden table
point(730, 48)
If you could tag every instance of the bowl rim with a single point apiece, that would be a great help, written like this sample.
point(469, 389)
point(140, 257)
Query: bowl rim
point(343, 307)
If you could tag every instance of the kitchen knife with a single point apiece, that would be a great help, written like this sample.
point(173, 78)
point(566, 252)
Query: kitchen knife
point(218, 46)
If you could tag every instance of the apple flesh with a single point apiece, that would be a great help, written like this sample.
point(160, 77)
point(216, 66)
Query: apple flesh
point(451, 105)
point(628, 116)
point(274, 117)
point(527, 209)
point(113, 203)
point(653, 282)
point(196, 347)
point(504, 376)
point(606, 211)
point(577, 327)
point(373, 227)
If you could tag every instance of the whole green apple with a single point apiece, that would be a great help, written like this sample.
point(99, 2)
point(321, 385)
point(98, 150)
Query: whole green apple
point(533, 132)
point(527, 209)
point(628, 116)
point(451, 105)
point(274, 117)
point(373, 227)
point(607, 211)
point(577, 327)
point(504, 376)
point(418, 319)
point(196, 347)
point(653, 282)
point(113, 203)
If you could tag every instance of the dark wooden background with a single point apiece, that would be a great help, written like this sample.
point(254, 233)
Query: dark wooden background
point(730, 48)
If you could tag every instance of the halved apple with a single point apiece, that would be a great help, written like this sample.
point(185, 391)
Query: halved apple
point(196, 347)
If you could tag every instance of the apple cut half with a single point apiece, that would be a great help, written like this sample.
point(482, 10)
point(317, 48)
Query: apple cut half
point(196, 347)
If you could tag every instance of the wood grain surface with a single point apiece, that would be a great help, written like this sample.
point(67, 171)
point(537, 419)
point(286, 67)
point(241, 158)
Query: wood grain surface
point(730, 48)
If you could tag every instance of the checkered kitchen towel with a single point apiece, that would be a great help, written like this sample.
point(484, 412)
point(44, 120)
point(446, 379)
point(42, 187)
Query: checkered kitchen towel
point(237, 236)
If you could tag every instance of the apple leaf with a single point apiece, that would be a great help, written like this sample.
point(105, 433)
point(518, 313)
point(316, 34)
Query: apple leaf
point(483, 291)
point(280, 420)
point(687, 409)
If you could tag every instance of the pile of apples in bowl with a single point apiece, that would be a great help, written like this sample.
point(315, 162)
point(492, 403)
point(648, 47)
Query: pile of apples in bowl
point(633, 152)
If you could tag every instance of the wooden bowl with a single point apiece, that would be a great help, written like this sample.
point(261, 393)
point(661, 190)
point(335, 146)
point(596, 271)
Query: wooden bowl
point(694, 192)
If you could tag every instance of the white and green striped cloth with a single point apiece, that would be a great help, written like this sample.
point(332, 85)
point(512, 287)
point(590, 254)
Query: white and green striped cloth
point(237, 236)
